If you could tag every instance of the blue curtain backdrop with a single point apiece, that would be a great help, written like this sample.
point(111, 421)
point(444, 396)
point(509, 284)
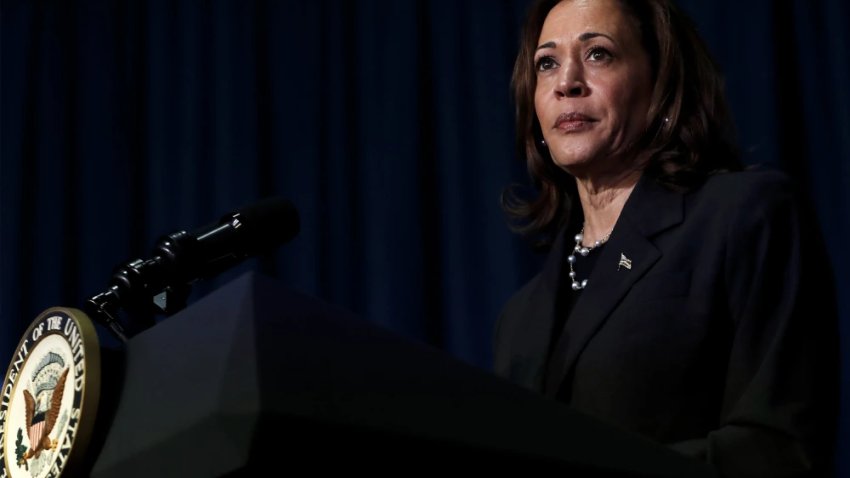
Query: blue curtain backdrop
point(388, 123)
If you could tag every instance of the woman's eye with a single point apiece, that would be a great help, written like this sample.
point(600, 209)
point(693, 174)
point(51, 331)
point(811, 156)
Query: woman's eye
point(546, 63)
point(598, 54)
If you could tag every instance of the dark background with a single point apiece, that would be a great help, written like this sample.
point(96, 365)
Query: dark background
point(388, 123)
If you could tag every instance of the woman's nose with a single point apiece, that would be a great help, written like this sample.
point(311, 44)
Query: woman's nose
point(571, 84)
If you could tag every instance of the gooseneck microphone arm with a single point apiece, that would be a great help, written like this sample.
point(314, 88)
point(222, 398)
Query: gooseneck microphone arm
point(162, 282)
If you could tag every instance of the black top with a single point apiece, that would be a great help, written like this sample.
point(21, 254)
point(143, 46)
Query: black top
point(567, 298)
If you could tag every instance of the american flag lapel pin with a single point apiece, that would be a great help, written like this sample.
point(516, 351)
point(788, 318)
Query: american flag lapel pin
point(624, 262)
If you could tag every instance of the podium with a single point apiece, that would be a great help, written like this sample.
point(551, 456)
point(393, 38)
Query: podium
point(258, 380)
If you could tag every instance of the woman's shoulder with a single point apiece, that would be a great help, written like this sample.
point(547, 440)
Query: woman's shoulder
point(519, 299)
point(753, 189)
point(755, 204)
point(755, 180)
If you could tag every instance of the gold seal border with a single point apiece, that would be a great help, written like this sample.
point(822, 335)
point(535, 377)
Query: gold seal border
point(90, 398)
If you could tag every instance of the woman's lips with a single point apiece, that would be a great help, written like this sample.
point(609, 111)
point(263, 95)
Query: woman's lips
point(573, 122)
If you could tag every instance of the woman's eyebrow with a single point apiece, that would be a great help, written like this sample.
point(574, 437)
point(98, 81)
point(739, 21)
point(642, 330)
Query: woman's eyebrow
point(583, 38)
point(588, 35)
point(548, 44)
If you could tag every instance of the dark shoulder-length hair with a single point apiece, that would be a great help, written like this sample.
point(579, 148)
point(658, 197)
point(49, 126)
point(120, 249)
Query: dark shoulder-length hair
point(689, 136)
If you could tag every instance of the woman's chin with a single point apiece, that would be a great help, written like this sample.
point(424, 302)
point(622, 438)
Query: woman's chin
point(576, 165)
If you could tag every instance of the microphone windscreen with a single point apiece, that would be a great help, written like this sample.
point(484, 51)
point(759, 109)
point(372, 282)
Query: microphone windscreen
point(267, 224)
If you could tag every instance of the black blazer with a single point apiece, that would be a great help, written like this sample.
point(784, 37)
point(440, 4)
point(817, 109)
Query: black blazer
point(720, 341)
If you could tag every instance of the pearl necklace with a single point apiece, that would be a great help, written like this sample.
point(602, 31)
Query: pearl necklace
point(583, 251)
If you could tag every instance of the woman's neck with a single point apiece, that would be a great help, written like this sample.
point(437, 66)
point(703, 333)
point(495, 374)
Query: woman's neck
point(602, 200)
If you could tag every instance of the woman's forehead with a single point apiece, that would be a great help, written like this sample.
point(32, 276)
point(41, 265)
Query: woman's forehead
point(573, 20)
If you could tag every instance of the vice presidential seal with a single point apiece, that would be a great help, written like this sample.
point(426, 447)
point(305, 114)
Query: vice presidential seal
point(49, 396)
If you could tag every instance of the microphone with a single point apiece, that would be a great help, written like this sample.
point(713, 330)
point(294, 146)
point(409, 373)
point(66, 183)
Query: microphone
point(183, 257)
point(255, 229)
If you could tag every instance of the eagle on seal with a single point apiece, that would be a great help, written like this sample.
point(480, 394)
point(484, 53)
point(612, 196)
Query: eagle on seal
point(42, 411)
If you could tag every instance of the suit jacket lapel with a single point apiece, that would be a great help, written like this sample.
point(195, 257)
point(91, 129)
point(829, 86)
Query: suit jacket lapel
point(649, 210)
point(532, 341)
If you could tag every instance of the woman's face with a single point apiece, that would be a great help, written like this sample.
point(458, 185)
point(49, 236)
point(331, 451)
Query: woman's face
point(594, 83)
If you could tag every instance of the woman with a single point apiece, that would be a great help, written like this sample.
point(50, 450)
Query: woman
point(678, 298)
